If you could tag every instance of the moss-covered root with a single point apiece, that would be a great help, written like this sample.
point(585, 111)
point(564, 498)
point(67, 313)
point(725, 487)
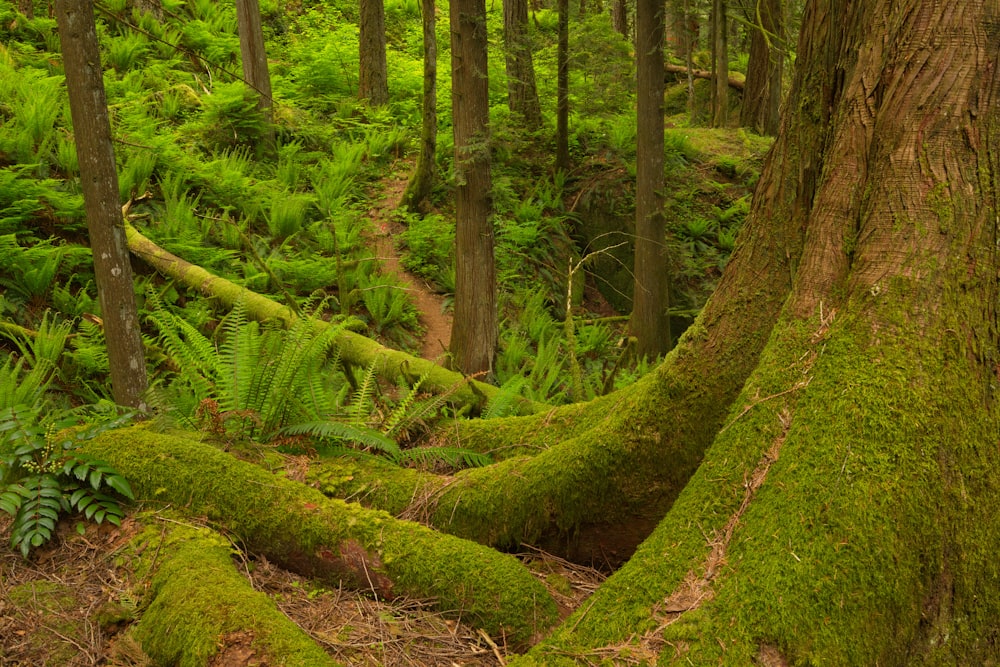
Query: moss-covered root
point(846, 516)
point(299, 528)
point(200, 608)
point(355, 349)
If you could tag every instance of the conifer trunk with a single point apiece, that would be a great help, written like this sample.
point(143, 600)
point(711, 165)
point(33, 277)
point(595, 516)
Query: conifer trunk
point(844, 513)
point(762, 92)
point(475, 332)
point(421, 184)
point(522, 94)
point(99, 182)
point(373, 78)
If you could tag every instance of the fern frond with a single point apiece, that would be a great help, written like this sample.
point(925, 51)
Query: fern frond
point(398, 418)
point(363, 395)
point(504, 402)
point(453, 457)
point(339, 431)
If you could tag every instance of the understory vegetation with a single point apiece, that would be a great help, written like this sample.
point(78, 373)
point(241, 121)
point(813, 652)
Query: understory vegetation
point(293, 224)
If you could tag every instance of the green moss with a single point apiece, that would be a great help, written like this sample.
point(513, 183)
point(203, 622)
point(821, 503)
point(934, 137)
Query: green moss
point(296, 526)
point(197, 598)
point(59, 606)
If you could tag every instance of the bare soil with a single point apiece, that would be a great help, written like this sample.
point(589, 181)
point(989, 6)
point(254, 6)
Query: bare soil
point(434, 319)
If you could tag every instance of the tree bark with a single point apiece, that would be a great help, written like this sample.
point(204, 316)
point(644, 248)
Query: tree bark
point(475, 332)
point(843, 513)
point(26, 7)
point(99, 182)
point(254, 56)
point(562, 88)
point(522, 94)
point(373, 77)
point(421, 184)
point(720, 64)
point(650, 323)
point(619, 17)
point(762, 96)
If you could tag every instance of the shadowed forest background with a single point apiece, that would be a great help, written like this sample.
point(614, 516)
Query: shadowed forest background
point(446, 322)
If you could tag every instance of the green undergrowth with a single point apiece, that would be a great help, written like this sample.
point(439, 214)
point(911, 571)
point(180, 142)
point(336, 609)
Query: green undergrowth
point(845, 537)
point(195, 586)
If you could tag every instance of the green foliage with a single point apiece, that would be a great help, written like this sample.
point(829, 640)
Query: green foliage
point(42, 477)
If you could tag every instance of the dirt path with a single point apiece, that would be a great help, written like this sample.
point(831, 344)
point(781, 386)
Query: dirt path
point(429, 304)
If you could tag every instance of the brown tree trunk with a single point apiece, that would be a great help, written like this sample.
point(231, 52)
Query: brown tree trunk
point(421, 184)
point(26, 7)
point(650, 324)
point(522, 94)
point(619, 17)
point(562, 88)
point(154, 7)
point(99, 182)
point(254, 56)
point(845, 512)
point(373, 78)
point(475, 332)
point(762, 92)
point(720, 64)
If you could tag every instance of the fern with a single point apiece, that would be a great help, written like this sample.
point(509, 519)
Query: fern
point(338, 432)
point(453, 457)
point(41, 477)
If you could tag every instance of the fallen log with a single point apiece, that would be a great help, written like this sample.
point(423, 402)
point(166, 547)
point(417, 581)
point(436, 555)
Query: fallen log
point(355, 349)
point(298, 528)
point(736, 80)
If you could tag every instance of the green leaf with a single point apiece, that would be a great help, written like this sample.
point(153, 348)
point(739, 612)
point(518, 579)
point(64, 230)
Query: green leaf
point(95, 479)
point(121, 485)
point(99, 515)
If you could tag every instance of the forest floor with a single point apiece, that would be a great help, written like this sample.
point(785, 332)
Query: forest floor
point(71, 604)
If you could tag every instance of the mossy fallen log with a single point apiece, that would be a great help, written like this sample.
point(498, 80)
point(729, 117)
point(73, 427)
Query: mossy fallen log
point(354, 348)
point(199, 608)
point(297, 527)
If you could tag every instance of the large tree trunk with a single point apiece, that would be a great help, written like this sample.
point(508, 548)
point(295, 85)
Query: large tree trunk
point(475, 332)
point(373, 77)
point(522, 94)
point(418, 190)
point(650, 323)
point(99, 181)
point(845, 513)
point(762, 93)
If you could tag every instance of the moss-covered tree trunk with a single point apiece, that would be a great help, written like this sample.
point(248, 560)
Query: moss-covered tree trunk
point(845, 512)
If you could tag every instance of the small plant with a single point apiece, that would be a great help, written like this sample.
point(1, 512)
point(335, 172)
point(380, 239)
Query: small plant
point(41, 477)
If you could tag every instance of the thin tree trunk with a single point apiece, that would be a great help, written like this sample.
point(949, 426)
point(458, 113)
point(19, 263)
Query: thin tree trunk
point(26, 7)
point(762, 93)
point(522, 94)
point(619, 17)
point(418, 190)
point(475, 332)
point(99, 182)
point(562, 88)
point(650, 323)
point(254, 56)
point(373, 78)
point(720, 64)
